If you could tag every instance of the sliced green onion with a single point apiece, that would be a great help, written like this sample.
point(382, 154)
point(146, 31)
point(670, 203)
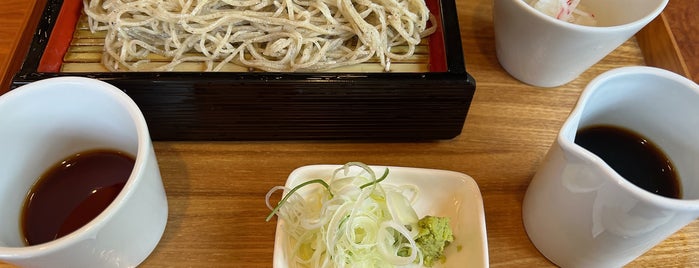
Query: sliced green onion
point(362, 222)
point(319, 181)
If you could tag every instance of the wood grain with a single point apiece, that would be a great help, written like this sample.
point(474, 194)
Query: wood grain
point(659, 47)
point(671, 41)
point(17, 21)
point(216, 189)
point(683, 21)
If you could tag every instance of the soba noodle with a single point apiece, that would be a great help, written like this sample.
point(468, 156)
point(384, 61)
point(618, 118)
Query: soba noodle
point(269, 35)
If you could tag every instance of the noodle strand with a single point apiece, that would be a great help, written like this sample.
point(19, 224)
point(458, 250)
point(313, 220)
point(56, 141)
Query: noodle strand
point(268, 35)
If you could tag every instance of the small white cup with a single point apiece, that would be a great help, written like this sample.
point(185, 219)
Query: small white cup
point(46, 121)
point(578, 211)
point(542, 51)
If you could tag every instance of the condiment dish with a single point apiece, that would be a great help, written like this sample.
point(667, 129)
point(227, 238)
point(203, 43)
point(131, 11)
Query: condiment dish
point(442, 193)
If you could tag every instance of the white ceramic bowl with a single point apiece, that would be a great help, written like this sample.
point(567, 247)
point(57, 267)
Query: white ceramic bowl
point(45, 121)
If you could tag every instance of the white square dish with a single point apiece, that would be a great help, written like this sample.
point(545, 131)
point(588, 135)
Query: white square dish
point(442, 193)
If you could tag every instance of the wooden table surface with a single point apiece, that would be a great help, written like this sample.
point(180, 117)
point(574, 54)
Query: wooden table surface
point(683, 22)
point(216, 189)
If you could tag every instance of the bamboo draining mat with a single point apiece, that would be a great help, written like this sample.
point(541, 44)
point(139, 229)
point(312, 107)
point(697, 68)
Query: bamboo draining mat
point(85, 53)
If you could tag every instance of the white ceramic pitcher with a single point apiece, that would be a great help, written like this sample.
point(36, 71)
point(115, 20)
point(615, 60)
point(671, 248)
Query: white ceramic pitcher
point(578, 211)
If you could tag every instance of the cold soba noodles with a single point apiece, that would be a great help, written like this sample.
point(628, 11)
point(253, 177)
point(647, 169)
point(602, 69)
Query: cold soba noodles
point(269, 35)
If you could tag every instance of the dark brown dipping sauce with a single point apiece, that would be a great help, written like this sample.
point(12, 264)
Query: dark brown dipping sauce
point(634, 157)
point(72, 193)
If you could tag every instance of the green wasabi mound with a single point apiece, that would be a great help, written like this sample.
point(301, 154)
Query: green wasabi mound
point(434, 234)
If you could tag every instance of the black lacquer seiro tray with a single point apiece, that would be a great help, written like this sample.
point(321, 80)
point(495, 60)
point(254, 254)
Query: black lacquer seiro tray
point(427, 104)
